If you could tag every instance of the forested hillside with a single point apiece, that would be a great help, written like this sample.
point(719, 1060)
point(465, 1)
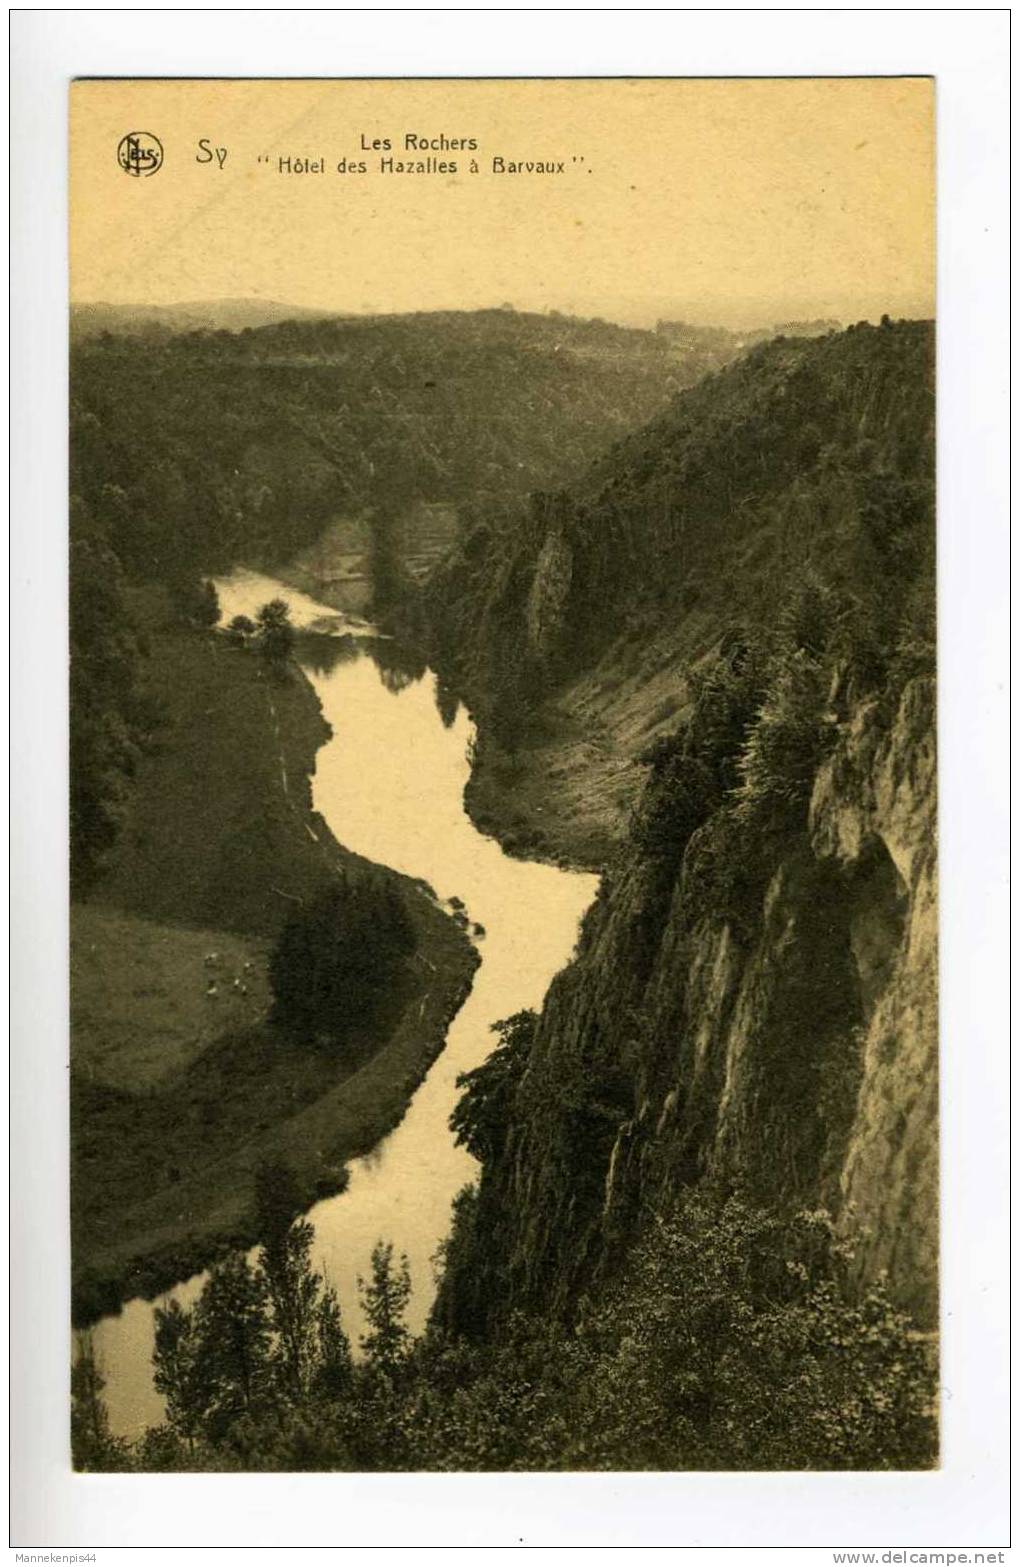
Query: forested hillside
point(194, 451)
point(705, 1230)
point(204, 448)
point(806, 456)
point(711, 665)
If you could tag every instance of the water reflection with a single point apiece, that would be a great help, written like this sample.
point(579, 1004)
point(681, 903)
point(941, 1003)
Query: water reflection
point(399, 665)
point(447, 702)
point(320, 655)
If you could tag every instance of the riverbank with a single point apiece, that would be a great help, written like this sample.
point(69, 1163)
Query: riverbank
point(565, 794)
point(179, 1086)
point(541, 802)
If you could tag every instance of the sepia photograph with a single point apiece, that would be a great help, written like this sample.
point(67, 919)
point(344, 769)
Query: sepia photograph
point(510, 784)
point(510, 796)
point(502, 776)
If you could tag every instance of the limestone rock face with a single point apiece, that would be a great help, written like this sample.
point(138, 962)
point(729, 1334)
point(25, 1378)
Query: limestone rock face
point(753, 1000)
point(795, 1055)
point(550, 593)
point(873, 812)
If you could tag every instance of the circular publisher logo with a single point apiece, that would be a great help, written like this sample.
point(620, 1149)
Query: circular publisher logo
point(140, 153)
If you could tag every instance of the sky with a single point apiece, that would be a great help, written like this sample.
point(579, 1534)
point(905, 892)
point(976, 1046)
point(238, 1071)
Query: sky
point(737, 202)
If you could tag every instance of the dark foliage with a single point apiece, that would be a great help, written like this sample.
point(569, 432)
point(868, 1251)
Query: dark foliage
point(274, 634)
point(735, 1338)
point(112, 722)
point(256, 440)
point(263, 1340)
point(335, 958)
point(807, 461)
point(484, 1112)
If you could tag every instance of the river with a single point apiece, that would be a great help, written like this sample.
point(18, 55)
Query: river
point(390, 784)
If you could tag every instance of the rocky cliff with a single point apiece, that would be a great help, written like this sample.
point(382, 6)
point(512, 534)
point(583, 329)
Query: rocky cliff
point(746, 746)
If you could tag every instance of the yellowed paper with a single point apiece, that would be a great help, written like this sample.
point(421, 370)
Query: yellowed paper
point(503, 919)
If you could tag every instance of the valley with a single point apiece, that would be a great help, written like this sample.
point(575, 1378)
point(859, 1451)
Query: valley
point(180, 1085)
point(683, 1201)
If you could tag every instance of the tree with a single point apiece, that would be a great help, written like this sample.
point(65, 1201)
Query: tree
point(263, 1342)
point(233, 1336)
point(176, 1372)
point(334, 1371)
point(335, 959)
point(241, 629)
point(212, 1360)
point(384, 1299)
point(785, 746)
point(484, 1113)
point(275, 632)
point(93, 1447)
point(292, 1289)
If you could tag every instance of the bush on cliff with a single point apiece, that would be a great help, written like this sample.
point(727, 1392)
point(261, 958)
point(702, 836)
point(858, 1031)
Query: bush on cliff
point(734, 1338)
point(484, 1113)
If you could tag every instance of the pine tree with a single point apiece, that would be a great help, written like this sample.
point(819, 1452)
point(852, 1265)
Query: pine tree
point(176, 1373)
point(384, 1301)
point(334, 1370)
point(233, 1343)
point(292, 1289)
point(93, 1447)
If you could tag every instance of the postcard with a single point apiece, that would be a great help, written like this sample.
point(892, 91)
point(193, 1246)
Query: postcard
point(504, 1026)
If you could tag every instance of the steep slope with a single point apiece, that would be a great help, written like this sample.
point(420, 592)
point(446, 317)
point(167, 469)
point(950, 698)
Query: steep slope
point(573, 623)
point(733, 613)
point(204, 447)
point(341, 449)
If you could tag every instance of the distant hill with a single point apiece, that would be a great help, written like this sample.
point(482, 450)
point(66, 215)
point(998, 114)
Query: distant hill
point(214, 315)
point(208, 446)
point(724, 340)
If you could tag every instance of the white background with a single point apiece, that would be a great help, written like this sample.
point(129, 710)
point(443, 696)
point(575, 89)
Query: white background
point(964, 1505)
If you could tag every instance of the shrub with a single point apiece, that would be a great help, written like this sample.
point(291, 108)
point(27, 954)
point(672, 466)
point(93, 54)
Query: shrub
point(737, 1339)
point(733, 1338)
point(241, 629)
point(484, 1112)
